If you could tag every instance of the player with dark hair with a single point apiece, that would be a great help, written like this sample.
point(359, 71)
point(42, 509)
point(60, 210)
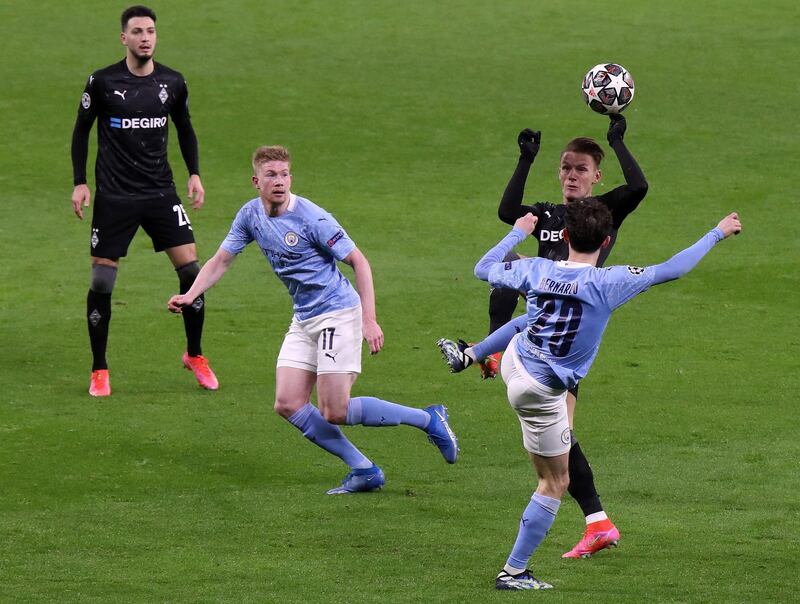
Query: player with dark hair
point(569, 304)
point(322, 348)
point(132, 101)
point(579, 171)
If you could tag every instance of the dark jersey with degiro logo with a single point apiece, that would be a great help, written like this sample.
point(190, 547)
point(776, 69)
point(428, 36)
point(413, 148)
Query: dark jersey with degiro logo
point(550, 227)
point(132, 114)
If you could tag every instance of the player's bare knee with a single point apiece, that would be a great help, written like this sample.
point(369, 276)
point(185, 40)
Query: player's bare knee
point(286, 407)
point(334, 414)
point(103, 278)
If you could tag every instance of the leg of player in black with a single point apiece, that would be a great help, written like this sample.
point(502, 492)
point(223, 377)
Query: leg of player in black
point(194, 315)
point(502, 304)
point(600, 532)
point(98, 317)
point(193, 318)
point(178, 242)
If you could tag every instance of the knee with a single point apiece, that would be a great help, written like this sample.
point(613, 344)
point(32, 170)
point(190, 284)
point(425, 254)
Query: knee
point(188, 273)
point(334, 414)
point(286, 407)
point(103, 278)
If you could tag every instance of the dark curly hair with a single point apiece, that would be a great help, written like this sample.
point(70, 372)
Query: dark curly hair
point(588, 222)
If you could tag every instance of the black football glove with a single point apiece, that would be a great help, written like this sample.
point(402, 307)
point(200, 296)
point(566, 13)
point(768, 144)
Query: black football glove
point(616, 130)
point(528, 142)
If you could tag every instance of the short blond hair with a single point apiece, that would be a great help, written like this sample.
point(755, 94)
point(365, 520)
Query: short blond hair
point(274, 153)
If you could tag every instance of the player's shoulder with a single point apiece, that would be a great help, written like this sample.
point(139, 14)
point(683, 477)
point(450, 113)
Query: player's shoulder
point(250, 208)
point(621, 272)
point(166, 72)
point(115, 69)
point(307, 208)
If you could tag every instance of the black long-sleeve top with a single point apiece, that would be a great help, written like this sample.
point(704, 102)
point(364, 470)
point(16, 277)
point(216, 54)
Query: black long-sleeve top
point(132, 115)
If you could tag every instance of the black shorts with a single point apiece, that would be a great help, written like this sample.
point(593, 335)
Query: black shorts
point(115, 222)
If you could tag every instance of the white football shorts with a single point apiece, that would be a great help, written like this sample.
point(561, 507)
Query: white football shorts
point(329, 343)
point(542, 411)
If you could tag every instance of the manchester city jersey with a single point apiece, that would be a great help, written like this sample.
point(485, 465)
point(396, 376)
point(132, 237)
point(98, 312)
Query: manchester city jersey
point(568, 307)
point(302, 245)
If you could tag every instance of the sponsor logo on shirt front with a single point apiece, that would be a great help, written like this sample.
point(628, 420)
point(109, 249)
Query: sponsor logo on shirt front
point(332, 241)
point(136, 123)
point(551, 235)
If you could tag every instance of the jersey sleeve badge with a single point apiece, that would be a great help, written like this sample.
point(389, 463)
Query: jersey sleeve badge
point(332, 241)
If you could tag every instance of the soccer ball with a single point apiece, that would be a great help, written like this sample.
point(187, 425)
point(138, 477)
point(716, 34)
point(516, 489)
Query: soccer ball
point(608, 88)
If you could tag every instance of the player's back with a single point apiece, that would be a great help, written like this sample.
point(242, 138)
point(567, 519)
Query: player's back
point(568, 307)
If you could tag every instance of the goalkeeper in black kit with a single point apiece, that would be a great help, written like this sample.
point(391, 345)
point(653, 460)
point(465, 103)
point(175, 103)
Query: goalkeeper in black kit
point(578, 173)
point(132, 101)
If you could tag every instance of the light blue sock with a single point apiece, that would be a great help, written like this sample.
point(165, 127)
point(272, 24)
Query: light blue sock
point(325, 435)
point(371, 411)
point(497, 341)
point(536, 521)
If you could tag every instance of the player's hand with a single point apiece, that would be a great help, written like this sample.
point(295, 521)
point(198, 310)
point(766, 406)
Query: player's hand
point(616, 129)
point(81, 196)
point(526, 223)
point(197, 194)
point(373, 334)
point(177, 303)
point(528, 142)
point(730, 225)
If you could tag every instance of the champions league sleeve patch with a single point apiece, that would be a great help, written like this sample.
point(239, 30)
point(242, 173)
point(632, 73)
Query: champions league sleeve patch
point(332, 241)
point(635, 270)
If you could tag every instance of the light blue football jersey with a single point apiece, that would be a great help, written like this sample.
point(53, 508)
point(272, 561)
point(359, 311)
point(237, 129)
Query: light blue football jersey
point(302, 246)
point(568, 307)
point(569, 304)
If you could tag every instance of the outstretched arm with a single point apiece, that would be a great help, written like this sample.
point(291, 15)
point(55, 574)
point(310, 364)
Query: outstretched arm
point(682, 262)
point(366, 291)
point(211, 272)
point(511, 206)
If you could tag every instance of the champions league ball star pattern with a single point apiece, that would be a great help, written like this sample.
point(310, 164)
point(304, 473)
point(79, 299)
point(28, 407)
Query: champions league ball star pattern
point(608, 88)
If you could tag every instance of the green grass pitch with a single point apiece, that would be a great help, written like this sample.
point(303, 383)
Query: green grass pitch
point(402, 119)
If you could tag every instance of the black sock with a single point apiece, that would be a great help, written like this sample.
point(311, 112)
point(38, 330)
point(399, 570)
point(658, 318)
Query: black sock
point(581, 482)
point(193, 315)
point(98, 316)
point(502, 304)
